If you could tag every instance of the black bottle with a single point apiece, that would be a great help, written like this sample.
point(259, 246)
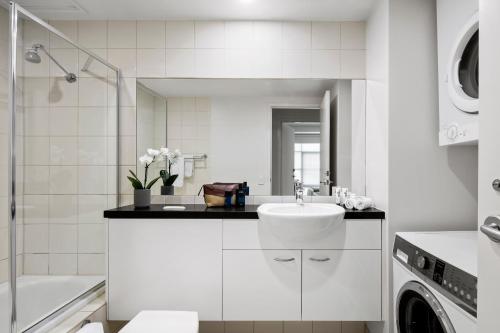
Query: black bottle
point(228, 197)
point(246, 189)
point(240, 196)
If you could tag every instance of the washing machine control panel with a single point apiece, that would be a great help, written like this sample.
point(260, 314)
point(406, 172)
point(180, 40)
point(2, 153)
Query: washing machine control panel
point(452, 282)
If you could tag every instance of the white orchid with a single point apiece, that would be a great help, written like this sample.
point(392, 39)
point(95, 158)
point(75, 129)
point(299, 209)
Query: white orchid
point(146, 159)
point(153, 152)
point(163, 151)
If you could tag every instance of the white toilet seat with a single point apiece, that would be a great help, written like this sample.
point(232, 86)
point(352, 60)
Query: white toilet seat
point(163, 321)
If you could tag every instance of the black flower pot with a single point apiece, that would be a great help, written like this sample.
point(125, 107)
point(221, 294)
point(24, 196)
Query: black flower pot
point(142, 198)
point(167, 190)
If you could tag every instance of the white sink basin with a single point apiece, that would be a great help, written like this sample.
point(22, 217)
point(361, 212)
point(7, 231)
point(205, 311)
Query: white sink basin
point(299, 222)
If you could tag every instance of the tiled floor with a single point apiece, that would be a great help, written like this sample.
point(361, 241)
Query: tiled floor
point(282, 327)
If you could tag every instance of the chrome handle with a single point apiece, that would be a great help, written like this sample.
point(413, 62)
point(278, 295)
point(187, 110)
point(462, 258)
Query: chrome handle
point(496, 184)
point(284, 259)
point(491, 228)
point(319, 259)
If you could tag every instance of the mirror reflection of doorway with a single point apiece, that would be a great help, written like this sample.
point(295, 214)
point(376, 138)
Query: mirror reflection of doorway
point(296, 150)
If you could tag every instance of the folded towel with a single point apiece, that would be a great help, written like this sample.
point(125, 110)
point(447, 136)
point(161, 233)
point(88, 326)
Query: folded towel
point(361, 203)
point(91, 328)
point(349, 203)
point(188, 165)
point(178, 169)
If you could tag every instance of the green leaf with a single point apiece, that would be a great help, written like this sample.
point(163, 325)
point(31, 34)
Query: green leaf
point(151, 183)
point(135, 183)
point(135, 176)
point(170, 180)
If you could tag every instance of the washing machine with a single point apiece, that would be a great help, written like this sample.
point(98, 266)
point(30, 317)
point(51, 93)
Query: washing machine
point(435, 282)
point(458, 66)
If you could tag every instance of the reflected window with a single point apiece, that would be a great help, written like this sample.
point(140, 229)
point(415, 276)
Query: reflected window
point(306, 164)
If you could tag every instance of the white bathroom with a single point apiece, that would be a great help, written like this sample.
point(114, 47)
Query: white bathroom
point(249, 166)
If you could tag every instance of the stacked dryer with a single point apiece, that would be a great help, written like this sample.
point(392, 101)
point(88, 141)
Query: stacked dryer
point(458, 62)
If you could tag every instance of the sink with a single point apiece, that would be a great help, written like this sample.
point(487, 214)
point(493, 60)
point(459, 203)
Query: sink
point(300, 221)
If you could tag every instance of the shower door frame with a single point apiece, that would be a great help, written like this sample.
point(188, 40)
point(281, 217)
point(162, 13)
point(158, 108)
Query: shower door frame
point(15, 10)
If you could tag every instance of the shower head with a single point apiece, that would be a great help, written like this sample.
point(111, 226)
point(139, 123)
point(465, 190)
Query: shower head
point(32, 55)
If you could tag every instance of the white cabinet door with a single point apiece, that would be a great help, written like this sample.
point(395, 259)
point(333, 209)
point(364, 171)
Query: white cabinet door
point(341, 285)
point(262, 284)
point(164, 265)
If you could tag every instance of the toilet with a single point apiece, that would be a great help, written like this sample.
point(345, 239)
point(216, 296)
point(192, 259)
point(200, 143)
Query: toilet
point(154, 322)
point(163, 321)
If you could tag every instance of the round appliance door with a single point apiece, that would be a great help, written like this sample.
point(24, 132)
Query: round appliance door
point(419, 311)
point(463, 68)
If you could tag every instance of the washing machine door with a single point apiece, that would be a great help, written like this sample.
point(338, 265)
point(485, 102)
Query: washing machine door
point(463, 68)
point(419, 311)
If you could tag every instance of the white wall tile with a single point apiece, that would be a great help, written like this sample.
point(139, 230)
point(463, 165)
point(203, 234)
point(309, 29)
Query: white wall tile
point(296, 63)
point(92, 121)
point(353, 64)
point(325, 63)
point(125, 59)
point(37, 150)
point(91, 208)
point(267, 35)
point(93, 34)
point(63, 150)
point(63, 180)
point(111, 153)
point(63, 121)
point(91, 238)
point(36, 92)
point(92, 180)
point(34, 33)
point(63, 238)
point(93, 92)
point(268, 63)
point(128, 150)
point(326, 35)
point(36, 238)
point(297, 35)
point(96, 68)
point(210, 63)
point(180, 34)
point(63, 264)
point(151, 34)
point(92, 150)
point(353, 35)
point(127, 93)
point(69, 28)
point(91, 264)
point(4, 243)
point(36, 264)
point(62, 93)
point(63, 209)
point(180, 63)
point(239, 35)
point(209, 34)
point(239, 63)
point(36, 121)
point(128, 121)
point(151, 62)
point(36, 209)
point(41, 69)
point(36, 179)
point(122, 34)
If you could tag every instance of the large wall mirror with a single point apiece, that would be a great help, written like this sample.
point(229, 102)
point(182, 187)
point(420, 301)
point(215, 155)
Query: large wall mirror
point(267, 132)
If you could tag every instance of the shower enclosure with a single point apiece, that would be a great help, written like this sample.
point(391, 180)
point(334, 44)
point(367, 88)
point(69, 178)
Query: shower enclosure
point(59, 107)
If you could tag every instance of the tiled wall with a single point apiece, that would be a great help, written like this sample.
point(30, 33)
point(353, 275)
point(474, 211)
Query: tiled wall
point(69, 159)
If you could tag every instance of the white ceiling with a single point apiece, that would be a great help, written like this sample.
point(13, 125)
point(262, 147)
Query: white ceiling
point(238, 87)
point(313, 10)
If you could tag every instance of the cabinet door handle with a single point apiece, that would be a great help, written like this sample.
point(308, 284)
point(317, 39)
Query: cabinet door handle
point(284, 259)
point(491, 228)
point(319, 259)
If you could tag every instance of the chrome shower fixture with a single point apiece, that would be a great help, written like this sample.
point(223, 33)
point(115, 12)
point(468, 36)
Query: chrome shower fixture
point(32, 55)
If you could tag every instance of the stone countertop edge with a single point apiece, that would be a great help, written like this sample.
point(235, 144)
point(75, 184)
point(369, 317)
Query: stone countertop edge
point(156, 211)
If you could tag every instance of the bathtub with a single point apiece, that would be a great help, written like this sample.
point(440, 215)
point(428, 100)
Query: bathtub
point(43, 301)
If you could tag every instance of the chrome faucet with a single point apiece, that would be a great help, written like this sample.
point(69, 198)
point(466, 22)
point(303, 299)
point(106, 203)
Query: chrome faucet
point(299, 192)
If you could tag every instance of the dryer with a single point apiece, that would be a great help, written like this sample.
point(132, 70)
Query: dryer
point(458, 67)
point(435, 282)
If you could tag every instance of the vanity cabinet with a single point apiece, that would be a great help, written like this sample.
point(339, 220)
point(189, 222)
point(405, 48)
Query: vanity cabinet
point(262, 285)
point(158, 264)
point(341, 285)
point(239, 270)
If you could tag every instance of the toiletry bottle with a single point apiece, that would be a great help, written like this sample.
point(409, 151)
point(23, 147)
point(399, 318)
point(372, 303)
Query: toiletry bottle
point(343, 196)
point(246, 188)
point(337, 195)
point(240, 196)
point(228, 197)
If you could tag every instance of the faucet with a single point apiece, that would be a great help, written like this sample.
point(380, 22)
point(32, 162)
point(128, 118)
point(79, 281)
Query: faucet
point(299, 192)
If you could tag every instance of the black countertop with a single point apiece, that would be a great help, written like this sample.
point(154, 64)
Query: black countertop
point(203, 212)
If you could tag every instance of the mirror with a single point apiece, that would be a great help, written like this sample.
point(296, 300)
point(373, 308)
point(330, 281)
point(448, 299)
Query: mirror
point(267, 132)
